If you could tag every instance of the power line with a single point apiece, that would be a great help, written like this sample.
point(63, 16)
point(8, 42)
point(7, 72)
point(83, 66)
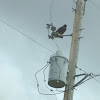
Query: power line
point(56, 45)
point(26, 35)
point(81, 69)
point(94, 5)
point(95, 79)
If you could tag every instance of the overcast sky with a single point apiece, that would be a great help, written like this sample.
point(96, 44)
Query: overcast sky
point(21, 58)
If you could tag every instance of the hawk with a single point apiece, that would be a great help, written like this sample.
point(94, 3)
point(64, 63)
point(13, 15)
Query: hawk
point(62, 29)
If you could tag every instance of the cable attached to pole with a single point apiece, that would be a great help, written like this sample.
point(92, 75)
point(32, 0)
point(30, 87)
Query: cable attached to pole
point(25, 35)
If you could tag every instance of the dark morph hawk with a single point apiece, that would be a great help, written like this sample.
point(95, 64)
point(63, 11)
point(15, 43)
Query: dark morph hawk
point(62, 29)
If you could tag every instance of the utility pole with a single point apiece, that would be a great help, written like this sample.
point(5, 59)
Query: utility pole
point(79, 12)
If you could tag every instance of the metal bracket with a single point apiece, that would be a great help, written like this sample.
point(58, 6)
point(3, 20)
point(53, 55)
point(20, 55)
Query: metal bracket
point(86, 75)
point(80, 38)
point(48, 25)
point(68, 35)
point(73, 9)
point(75, 2)
point(80, 81)
point(81, 29)
point(57, 36)
point(79, 75)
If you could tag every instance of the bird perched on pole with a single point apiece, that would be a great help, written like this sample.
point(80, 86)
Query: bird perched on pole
point(62, 29)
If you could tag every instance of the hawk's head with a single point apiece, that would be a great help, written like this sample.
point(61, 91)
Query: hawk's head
point(65, 25)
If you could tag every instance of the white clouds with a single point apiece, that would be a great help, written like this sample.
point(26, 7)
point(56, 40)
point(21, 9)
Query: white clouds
point(31, 17)
point(11, 83)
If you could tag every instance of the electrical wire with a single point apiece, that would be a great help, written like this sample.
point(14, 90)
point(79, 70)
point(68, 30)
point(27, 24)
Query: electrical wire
point(44, 73)
point(38, 82)
point(60, 91)
point(53, 55)
point(56, 44)
point(38, 72)
point(84, 81)
point(59, 68)
point(51, 91)
point(81, 69)
point(95, 79)
point(26, 35)
point(47, 94)
point(92, 76)
point(94, 4)
point(50, 11)
point(45, 81)
point(55, 95)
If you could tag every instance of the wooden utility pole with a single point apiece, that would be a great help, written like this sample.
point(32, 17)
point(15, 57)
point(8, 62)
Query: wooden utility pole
point(79, 12)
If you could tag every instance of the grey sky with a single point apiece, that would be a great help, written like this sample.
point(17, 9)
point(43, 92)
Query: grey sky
point(20, 58)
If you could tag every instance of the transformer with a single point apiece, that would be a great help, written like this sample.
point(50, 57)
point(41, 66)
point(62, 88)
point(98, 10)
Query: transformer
point(58, 70)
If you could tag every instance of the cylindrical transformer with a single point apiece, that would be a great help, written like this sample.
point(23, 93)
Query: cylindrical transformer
point(58, 70)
